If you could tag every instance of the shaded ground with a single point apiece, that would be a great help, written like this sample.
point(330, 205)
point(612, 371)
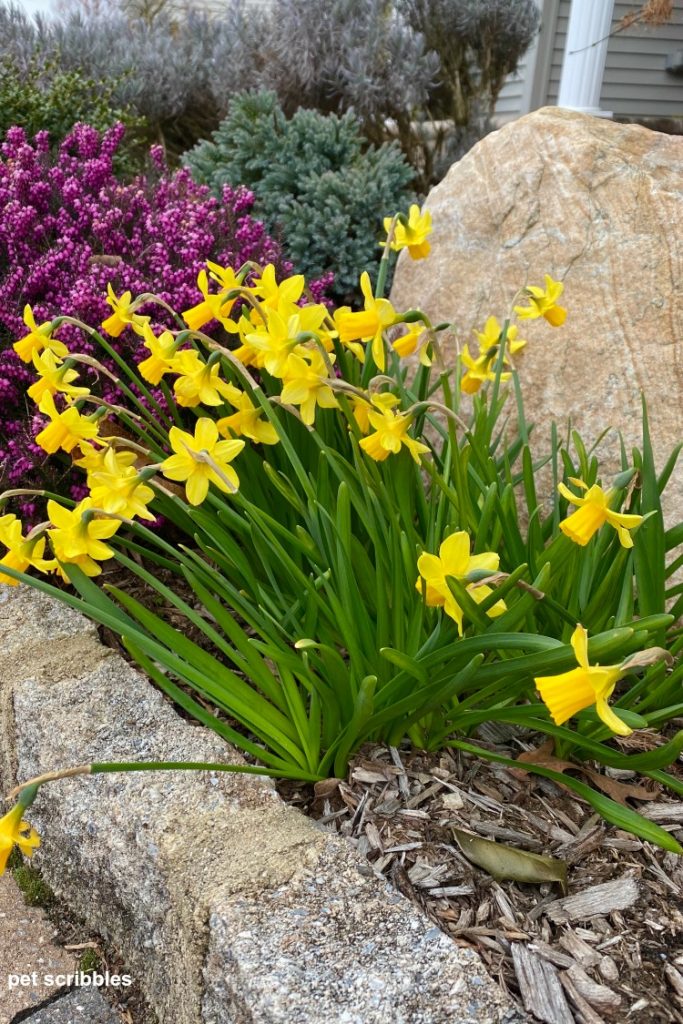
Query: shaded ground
point(45, 938)
point(611, 951)
point(28, 943)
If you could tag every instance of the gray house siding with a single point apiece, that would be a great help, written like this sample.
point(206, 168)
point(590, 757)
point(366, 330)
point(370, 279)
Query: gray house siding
point(510, 101)
point(557, 56)
point(635, 82)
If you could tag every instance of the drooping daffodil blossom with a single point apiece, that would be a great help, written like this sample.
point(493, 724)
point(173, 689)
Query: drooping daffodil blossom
point(390, 430)
point(54, 377)
point(214, 306)
point(247, 421)
point(483, 367)
point(570, 692)
point(77, 536)
point(22, 552)
point(38, 339)
point(162, 351)
point(593, 511)
point(14, 831)
point(66, 429)
point(198, 382)
point(454, 560)
point(368, 324)
point(202, 459)
point(415, 339)
point(307, 384)
point(123, 316)
point(116, 487)
point(543, 302)
point(478, 371)
point(491, 337)
point(411, 233)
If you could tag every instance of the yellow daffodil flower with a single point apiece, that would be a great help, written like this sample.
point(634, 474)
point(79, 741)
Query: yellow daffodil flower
point(77, 538)
point(571, 692)
point(593, 512)
point(415, 339)
point(247, 354)
point(65, 429)
point(280, 296)
point(116, 487)
point(483, 367)
point(201, 460)
point(198, 383)
point(413, 234)
point(368, 325)
point(214, 306)
point(55, 378)
point(478, 371)
point(22, 553)
point(14, 831)
point(454, 560)
point(276, 341)
point(247, 421)
point(490, 337)
point(162, 349)
point(390, 431)
point(38, 339)
point(123, 316)
point(543, 302)
point(92, 457)
point(361, 408)
point(307, 384)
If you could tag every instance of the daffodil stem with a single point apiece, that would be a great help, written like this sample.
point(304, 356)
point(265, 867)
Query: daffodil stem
point(38, 780)
point(384, 261)
point(27, 796)
point(110, 767)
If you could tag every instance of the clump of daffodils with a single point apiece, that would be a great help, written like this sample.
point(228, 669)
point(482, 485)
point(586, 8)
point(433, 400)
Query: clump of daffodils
point(202, 408)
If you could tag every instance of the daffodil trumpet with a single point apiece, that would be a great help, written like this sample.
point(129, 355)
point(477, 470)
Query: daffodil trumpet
point(570, 692)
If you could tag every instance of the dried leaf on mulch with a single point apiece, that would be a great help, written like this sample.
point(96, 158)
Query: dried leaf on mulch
point(507, 863)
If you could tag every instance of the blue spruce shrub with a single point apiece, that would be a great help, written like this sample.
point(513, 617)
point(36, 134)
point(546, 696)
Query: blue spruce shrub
point(319, 187)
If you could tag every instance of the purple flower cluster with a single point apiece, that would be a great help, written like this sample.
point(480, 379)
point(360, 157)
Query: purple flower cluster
point(68, 227)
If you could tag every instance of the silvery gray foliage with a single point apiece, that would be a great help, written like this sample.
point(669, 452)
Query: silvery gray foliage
point(319, 187)
point(179, 75)
point(358, 55)
point(478, 42)
point(425, 72)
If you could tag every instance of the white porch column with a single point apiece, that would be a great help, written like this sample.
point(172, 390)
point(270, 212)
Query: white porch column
point(585, 53)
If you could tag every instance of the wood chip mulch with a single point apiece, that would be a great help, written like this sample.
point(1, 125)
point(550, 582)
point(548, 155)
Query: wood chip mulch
point(611, 950)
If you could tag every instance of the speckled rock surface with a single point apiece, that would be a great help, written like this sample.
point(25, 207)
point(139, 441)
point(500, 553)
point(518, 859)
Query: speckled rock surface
point(227, 906)
point(599, 206)
point(334, 946)
point(85, 1006)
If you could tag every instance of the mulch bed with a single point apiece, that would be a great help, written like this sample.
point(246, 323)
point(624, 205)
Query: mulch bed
point(612, 950)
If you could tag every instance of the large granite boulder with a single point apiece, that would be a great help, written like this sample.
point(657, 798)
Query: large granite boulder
point(598, 206)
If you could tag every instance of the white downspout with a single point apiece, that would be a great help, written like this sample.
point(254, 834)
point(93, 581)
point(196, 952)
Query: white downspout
point(585, 54)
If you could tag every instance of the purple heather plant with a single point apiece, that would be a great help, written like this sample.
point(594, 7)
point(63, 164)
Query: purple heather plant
point(68, 227)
